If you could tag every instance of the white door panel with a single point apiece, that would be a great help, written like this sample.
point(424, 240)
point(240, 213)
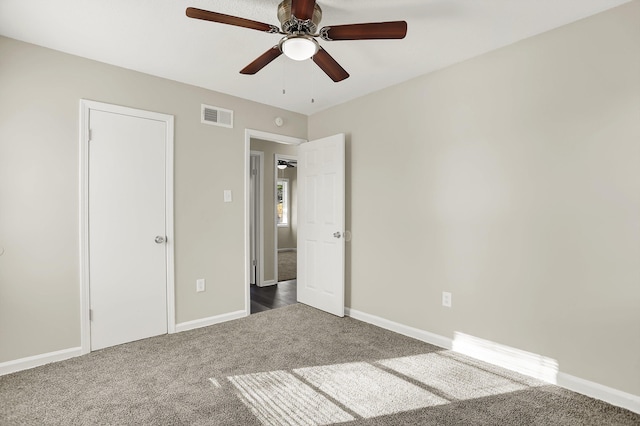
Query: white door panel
point(127, 267)
point(321, 218)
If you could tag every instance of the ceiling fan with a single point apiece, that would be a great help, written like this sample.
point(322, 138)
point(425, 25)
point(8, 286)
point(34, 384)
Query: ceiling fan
point(299, 20)
point(283, 164)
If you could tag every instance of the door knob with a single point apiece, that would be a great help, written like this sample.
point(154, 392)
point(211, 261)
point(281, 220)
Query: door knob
point(160, 239)
point(337, 234)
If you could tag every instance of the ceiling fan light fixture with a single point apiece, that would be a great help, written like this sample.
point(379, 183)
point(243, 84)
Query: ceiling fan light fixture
point(299, 47)
point(299, 20)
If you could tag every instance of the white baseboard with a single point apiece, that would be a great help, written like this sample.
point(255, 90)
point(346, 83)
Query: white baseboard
point(204, 322)
point(406, 330)
point(595, 390)
point(591, 389)
point(268, 283)
point(523, 362)
point(42, 359)
point(38, 360)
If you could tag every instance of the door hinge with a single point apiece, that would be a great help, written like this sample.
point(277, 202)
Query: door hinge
point(89, 136)
point(90, 314)
point(254, 172)
point(255, 263)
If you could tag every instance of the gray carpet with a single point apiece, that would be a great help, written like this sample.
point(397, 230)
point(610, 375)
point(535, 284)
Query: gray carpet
point(287, 261)
point(288, 366)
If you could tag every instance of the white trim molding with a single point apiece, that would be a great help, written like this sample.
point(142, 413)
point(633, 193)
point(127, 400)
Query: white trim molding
point(268, 283)
point(396, 327)
point(38, 360)
point(13, 366)
point(511, 358)
point(527, 363)
point(259, 228)
point(595, 390)
point(272, 137)
point(205, 322)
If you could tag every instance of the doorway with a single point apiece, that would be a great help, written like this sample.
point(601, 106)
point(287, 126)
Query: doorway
point(282, 187)
point(321, 218)
point(265, 286)
point(126, 225)
point(286, 238)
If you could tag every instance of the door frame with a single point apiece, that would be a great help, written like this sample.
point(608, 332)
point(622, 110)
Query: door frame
point(259, 225)
point(85, 302)
point(271, 137)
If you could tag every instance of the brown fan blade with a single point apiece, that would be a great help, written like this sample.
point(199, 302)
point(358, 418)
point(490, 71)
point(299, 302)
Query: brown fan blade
point(372, 31)
point(262, 61)
point(329, 65)
point(302, 9)
point(206, 15)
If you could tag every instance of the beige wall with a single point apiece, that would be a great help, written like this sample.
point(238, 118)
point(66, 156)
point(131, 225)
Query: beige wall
point(40, 91)
point(270, 149)
point(511, 180)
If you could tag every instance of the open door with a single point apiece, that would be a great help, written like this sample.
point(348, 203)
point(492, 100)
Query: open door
point(321, 223)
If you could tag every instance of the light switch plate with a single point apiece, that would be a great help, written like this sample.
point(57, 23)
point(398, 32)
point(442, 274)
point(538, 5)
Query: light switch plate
point(200, 285)
point(227, 196)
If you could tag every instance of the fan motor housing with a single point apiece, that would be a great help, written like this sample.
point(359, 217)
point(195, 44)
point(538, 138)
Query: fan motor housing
point(291, 24)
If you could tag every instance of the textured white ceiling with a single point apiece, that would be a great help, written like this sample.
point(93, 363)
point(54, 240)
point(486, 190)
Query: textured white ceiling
point(155, 37)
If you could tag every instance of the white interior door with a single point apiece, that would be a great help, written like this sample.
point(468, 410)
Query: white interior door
point(127, 228)
point(321, 223)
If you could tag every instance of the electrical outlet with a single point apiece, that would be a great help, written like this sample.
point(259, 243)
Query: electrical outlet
point(200, 285)
point(446, 299)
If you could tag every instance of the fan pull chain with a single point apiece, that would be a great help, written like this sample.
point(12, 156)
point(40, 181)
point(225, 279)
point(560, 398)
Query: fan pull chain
point(284, 69)
point(313, 85)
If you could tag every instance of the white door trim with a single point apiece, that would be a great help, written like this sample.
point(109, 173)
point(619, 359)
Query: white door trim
point(271, 137)
point(85, 107)
point(260, 219)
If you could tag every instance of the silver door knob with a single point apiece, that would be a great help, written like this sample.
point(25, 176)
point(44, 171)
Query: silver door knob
point(337, 234)
point(160, 239)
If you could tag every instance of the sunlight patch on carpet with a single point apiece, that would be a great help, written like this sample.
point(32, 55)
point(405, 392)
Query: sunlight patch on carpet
point(278, 398)
point(328, 394)
point(454, 378)
point(368, 390)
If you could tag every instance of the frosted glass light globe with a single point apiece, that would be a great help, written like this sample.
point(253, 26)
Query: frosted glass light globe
point(299, 48)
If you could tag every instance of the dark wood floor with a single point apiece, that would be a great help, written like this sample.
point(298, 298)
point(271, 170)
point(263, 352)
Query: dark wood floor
point(274, 296)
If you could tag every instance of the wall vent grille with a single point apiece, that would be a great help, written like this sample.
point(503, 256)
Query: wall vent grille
point(216, 116)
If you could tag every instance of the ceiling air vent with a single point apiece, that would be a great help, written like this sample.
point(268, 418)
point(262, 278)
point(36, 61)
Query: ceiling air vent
point(216, 116)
